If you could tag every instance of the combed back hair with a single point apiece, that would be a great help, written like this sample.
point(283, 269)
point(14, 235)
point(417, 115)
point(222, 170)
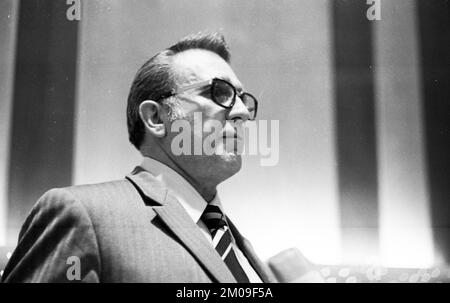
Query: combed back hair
point(156, 77)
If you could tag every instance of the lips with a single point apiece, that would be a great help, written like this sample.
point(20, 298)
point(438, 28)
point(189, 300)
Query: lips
point(231, 136)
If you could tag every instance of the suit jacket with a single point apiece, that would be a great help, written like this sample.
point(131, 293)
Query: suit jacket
point(131, 230)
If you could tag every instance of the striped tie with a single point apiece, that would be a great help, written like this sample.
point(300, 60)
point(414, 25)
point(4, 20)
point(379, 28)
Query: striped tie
point(214, 219)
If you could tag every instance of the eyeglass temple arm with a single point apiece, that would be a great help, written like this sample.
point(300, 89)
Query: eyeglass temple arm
point(192, 86)
point(174, 92)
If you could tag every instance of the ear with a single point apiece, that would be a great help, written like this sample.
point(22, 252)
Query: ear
point(151, 115)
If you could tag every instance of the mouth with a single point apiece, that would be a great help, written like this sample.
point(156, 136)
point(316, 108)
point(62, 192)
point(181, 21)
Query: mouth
point(231, 136)
point(233, 143)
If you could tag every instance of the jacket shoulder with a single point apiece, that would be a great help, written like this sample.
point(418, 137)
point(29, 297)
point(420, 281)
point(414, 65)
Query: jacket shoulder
point(109, 199)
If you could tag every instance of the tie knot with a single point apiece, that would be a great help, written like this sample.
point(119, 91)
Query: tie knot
point(213, 218)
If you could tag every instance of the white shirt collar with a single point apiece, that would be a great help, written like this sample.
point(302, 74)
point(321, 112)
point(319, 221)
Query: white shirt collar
point(182, 190)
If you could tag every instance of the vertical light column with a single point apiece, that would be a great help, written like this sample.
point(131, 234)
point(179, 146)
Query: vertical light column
point(107, 63)
point(405, 234)
point(8, 23)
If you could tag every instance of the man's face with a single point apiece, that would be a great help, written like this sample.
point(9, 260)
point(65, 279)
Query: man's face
point(206, 117)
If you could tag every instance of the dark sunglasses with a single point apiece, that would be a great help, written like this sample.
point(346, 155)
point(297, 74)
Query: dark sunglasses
point(223, 93)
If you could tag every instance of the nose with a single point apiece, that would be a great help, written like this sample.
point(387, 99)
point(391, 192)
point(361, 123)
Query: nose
point(239, 111)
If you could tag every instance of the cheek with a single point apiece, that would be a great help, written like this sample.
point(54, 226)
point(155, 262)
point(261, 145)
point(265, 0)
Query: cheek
point(211, 110)
point(213, 119)
point(204, 116)
point(212, 126)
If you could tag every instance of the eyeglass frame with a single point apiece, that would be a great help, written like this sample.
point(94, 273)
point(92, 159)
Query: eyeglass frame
point(210, 82)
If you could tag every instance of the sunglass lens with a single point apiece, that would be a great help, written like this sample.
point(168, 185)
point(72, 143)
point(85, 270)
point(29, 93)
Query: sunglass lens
point(223, 93)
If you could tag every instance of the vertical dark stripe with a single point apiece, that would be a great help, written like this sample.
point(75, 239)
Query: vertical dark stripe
point(434, 37)
point(43, 105)
point(224, 242)
point(233, 264)
point(355, 123)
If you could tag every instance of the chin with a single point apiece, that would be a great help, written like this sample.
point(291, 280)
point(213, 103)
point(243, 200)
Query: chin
point(219, 168)
point(230, 162)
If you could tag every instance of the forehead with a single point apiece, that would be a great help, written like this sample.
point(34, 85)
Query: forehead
point(197, 65)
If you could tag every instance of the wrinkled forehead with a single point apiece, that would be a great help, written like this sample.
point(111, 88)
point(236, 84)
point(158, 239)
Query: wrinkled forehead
point(196, 65)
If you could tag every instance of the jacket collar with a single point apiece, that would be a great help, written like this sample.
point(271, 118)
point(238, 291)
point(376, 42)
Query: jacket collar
point(179, 222)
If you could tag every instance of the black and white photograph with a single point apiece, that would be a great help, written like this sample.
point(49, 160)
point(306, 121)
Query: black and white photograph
point(258, 142)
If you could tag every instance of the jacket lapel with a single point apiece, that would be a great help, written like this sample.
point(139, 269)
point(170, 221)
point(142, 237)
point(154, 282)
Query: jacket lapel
point(179, 222)
point(247, 249)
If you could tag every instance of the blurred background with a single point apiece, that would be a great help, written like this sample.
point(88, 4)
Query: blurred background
point(363, 106)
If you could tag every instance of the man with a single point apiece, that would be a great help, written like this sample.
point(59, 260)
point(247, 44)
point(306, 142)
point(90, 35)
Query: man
point(164, 222)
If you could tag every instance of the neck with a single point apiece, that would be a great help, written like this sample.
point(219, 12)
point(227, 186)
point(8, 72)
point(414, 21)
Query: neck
point(206, 188)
